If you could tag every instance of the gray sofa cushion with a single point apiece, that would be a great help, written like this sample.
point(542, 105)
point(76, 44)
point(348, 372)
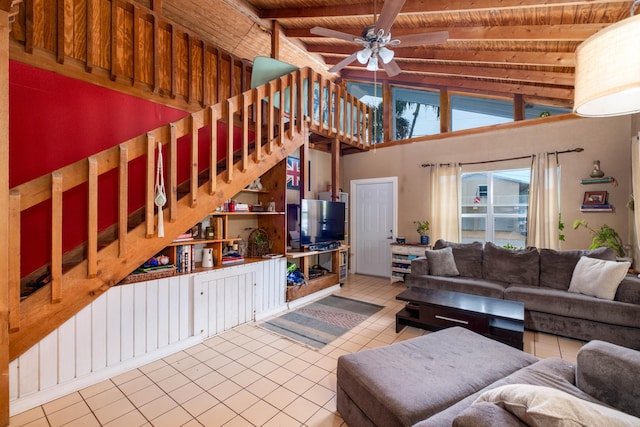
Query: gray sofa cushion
point(466, 285)
point(442, 263)
point(404, 383)
point(629, 290)
point(574, 305)
point(556, 267)
point(468, 257)
point(512, 266)
point(485, 414)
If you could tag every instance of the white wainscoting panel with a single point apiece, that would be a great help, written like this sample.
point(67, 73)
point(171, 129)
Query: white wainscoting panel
point(132, 325)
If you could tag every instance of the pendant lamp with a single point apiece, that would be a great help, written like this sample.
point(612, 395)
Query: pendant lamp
point(608, 71)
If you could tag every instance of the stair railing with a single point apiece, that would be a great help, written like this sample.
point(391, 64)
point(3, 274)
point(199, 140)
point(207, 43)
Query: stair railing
point(269, 133)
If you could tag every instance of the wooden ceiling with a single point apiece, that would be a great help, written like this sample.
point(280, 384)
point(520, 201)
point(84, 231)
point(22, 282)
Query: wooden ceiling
point(495, 47)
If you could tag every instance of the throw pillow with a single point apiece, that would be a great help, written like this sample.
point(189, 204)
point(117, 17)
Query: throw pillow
point(597, 277)
point(556, 267)
point(545, 406)
point(441, 262)
point(468, 257)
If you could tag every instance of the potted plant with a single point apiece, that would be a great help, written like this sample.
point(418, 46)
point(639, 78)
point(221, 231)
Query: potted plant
point(423, 231)
point(603, 236)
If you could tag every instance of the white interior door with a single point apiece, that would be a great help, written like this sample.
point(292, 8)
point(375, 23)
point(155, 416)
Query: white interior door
point(373, 224)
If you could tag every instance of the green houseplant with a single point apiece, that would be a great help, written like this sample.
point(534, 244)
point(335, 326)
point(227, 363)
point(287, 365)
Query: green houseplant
point(603, 236)
point(423, 231)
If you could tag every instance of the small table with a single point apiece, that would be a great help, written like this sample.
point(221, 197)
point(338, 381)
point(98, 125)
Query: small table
point(433, 309)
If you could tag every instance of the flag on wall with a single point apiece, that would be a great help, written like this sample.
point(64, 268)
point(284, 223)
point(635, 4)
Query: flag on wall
point(293, 173)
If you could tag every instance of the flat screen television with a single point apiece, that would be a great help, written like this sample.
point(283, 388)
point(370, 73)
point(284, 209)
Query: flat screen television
point(321, 221)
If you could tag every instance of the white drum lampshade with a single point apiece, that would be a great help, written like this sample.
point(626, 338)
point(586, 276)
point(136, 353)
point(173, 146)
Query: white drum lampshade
point(608, 71)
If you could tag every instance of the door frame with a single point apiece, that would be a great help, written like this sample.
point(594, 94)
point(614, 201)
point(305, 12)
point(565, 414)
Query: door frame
point(353, 240)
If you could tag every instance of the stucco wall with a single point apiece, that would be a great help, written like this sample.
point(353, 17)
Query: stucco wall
point(606, 139)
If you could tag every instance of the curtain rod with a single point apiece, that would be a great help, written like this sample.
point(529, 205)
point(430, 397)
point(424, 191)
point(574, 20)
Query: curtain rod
point(573, 150)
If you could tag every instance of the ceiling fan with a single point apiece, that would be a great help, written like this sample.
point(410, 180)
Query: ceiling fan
point(376, 40)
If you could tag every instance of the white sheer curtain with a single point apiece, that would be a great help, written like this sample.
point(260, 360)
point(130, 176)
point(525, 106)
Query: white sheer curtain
point(635, 188)
point(542, 216)
point(444, 217)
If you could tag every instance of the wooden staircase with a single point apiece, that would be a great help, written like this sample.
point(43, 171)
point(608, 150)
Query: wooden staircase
point(268, 135)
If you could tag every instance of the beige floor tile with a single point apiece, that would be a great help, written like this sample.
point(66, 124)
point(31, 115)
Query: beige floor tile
point(327, 363)
point(27, 417)
point(253, 345)
point(157, 407)
point(206, 354)
point(241, 401)
point(175, 357)
point(298, 384)
point(145, 395)
point(130, 419)
point(224, 390)
point(173, 382)
point(249, 359)
point(232, 369)
point(237, 353)
point(105, 398)
point(265, 367)
point(282, 420)
point(218, 361)
point(280, 375)
point(114, 410)
point(245, 378)
point(280, 397)
point(210, 380)
point(260, 412)
point(150, 367)
point(175, 417)
point(331, 405)
point(216, 416)
point(314, 373)
point(310, 356)
point(301, 409)
point(136, 384)
point(88, 420)
point(282, 358)
point(266, 351)
point(62, 403)
point(199, 404)
point(329, 381)
point(318, 394)
point(40, 422)
point(262, 387)
point(97, 389)
point(324, 418)
point(192, 423)
point(68, 414)
point(162, 373)
point(197, 371)
point(186, 392)
point(185, 363)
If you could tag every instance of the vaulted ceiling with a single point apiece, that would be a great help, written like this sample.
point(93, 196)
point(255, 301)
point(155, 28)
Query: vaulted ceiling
point(495, 47)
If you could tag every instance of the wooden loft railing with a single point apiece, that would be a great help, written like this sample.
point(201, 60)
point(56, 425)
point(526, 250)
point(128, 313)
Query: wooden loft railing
point(253, 113)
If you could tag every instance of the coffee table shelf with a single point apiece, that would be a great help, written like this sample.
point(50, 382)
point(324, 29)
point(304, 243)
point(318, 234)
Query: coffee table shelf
point(433, 309)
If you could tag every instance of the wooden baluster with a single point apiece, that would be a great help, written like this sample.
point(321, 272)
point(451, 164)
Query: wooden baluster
point(114, 40)
point(230, 110)
point(194, 161)
point(14, 260)
point(150, 205)
point(173, 173)
point(246, 101)
point(92, 225)
point(56, 237)
point(270, 117)
point(283, 84)
point(174, 63)
point(258, 94)
point(302, 102)
point(60, 33)
point(123, 200)
point(214, 112)
point(292, 104)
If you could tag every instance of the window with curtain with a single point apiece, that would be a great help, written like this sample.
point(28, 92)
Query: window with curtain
point(493, 207)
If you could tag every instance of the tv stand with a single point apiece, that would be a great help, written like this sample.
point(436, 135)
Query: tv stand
point(336, 276)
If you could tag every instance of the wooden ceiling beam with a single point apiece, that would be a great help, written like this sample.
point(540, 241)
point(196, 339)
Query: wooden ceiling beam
point(509, 74)
point(419, 6)
point(567, 32)
point(484, 87)
point(553, 59)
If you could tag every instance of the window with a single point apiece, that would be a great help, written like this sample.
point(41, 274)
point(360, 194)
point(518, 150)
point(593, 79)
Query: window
point(469, 112)
point(494, 207)
point(416, 113)
point(533, 111)
point(372, 96)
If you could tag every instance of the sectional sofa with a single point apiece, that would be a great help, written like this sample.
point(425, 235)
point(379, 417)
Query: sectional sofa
point(582, 294)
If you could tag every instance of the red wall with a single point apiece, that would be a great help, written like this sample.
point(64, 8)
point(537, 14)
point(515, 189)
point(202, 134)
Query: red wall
point(55, 121)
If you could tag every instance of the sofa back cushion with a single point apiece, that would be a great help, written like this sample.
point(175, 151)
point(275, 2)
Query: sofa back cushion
point(468, 257)
point(521, 266)
point(556, 267)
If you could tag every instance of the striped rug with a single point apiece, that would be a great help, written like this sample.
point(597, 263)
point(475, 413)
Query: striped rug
point(321, 322)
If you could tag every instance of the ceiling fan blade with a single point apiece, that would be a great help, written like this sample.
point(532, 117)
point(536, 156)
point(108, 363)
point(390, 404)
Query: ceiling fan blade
point(326, 32)
point(391, 68)
point(390, 10)
point(420, 39)
point(346, 61)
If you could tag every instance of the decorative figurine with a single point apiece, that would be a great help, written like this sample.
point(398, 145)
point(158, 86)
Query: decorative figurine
point(596, 172)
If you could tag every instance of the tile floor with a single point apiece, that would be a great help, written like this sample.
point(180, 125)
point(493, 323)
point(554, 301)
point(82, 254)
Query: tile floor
point(247, 377)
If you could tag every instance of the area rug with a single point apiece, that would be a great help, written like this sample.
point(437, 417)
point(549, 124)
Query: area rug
point(321, 322)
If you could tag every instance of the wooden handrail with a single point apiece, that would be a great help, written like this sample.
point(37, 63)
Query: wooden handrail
point(259, 111)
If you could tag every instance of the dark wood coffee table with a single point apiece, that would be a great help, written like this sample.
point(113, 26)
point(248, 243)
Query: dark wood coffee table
point(432, 309)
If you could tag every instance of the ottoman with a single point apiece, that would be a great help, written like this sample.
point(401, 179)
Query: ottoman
point(407, 382)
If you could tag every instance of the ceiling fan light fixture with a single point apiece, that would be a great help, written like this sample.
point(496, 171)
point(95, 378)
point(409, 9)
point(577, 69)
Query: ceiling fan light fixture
point(373, 63)
point(364, 55)
point(385, 54)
